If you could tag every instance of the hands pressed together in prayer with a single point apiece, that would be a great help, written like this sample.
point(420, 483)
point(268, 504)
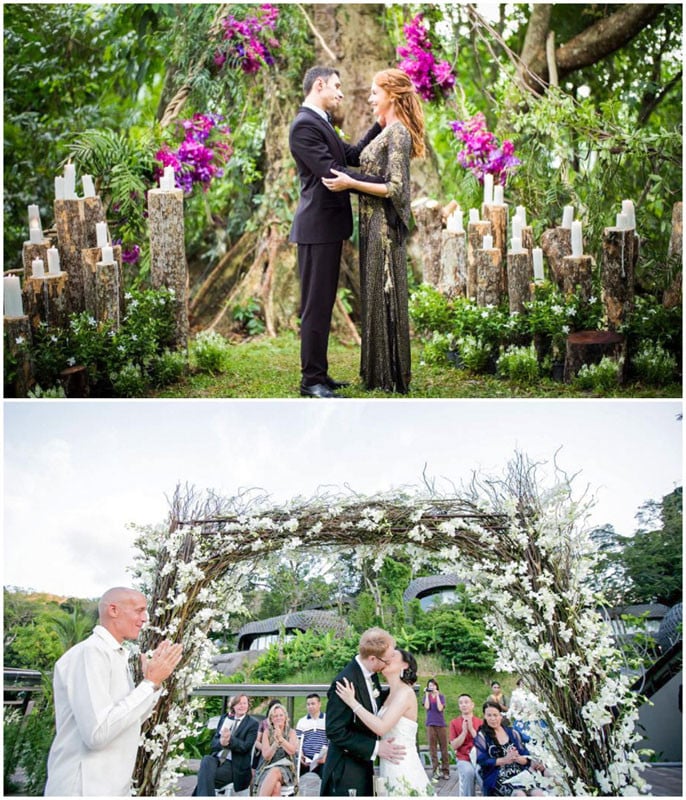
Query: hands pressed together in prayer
point(162, 662)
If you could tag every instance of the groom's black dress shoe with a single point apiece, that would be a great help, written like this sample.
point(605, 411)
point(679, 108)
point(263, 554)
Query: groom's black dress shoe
point(334, 384)
point(317, 390)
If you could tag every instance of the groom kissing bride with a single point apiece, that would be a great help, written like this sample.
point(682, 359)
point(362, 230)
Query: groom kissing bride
point(364, 722)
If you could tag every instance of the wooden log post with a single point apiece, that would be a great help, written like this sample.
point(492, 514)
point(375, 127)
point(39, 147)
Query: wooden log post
point(520, 276)
point(168, 266)
point(497, 215)
point(19, 337)
point(475, 237)
point(427, 215)
point(107, 279)
point(489, 287)
point(617, 274)
point(556, 243)
point(71, 240)
point(589, 347)
point(90, 258)
point(453, 279)
point(577, 276)
point(528, 243)
point(30, 252)
point(672, 296)
point(93, 212)
point(47, 300)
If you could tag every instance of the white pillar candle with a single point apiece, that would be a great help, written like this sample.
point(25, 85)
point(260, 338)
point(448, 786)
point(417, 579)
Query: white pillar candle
point(38, 268)
point(69, 182)
point(622, 222)
point(88, 186)
point(577, 239)
point(59, 188)
point(488, 189)
point(567, 216)
point(11, 295)
point(516, 244)
point(100, 234)
point(520, 212)
point(488, 242)
point(168, 181)
point(630, 213)
point(473, 215)
point(516, 226)
point(35, 229)
point(498, 197)
point(454, 222)
point(537, 255)
point(53, 261)
point(107, 255)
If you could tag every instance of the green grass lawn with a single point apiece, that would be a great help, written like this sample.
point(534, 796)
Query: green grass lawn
point(270, 368)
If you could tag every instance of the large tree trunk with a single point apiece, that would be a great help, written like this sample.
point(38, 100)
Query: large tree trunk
point(262, 264)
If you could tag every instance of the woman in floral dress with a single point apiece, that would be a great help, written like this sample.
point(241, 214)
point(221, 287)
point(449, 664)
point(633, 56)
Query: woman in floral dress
point(384, 221)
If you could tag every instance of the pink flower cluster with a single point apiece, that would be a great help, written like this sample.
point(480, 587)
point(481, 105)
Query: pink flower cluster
point(427, 75)
point(197, 160)
point(483, 154)
point(250, 40)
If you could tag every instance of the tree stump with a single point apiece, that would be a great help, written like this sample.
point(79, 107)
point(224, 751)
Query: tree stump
point(475, 236)
point(30, 252)
point(93, 212)
point(617, 274)
point(528, 243)
point(453, 280)
point(556, 243)
point(168, 265)
point(90, 258)
point(520, 276)
point(427, 215)
point(18, 337)
point(675, 253)
point(589, 347)
point(497, 215)
point(489, 287)
point(577, 276)
point(74, 381)
point(70, 223)
point(107, 293)
point(47, 300)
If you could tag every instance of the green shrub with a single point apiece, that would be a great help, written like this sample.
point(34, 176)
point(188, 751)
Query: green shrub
point(436, 349)
point(654, 364)
point(474, 353)
point(129, 381)
point(210, 351)
point(168, 367)
point(430, 311)
point(519, 364)
point(248, 317)
point(602, 377)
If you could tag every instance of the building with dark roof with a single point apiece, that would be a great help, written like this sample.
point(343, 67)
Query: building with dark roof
point(261, 634)
point(433, 590)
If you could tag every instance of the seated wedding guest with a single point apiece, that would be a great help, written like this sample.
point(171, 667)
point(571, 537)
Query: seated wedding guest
point(463, 729)
point(312, 727)
point(257, 754)
point(278, 744)
point(230, 751)
point(502, 755)
point(98, 711)
point(497, 696)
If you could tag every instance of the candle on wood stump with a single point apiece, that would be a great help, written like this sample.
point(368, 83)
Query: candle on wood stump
point(473, 214)
point(520, 211)
point(537, 255)
point(107, 255)
point(567, 216)
point(488, 242)
point(577, 239)
point(488, 189)
point(168, 181)
point(630, 213)
point(517, 226)
point(11, 295)
point(70, 182)
point(59, 188)
point(100, 234)
point(35, 228)
point(53, 261)
point(454, 222)
point(516, 245)
point(498, 195)
point(622, 222)
point(88, 186)
point(38, 268)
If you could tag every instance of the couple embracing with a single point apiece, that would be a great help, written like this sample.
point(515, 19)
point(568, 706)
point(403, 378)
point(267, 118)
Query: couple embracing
point(364, 722)
point(323, 220)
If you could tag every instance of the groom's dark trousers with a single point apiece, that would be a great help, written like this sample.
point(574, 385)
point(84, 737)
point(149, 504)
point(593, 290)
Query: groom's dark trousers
point(322, 221)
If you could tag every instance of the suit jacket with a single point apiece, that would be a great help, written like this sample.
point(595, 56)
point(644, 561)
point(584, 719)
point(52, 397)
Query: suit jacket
point(322, 216)
point(241, 746)
point(348, 763)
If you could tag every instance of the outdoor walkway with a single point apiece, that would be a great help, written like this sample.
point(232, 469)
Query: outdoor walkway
point(666, 780)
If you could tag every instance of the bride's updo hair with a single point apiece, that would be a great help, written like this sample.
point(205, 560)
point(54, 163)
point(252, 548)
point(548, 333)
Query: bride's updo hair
point(407, 106)
point(409, 673)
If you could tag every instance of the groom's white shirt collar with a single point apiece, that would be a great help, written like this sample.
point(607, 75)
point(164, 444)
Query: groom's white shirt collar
point(317, 110)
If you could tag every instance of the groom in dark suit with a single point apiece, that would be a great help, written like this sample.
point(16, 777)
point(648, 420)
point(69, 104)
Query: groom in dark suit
point(323, 220)
point(352, 746)
point(231, 751)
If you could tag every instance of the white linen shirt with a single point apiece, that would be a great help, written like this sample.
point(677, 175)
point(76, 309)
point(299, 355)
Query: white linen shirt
point(98, 716)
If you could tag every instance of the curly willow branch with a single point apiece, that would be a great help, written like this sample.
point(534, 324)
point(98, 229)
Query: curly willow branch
point(528, 555)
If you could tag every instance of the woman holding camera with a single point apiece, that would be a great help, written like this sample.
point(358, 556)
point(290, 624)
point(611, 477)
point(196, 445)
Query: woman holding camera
point(436, 729)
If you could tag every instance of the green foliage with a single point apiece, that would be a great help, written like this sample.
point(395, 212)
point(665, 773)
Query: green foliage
point(474, 353)
point(459, 639)
point(654, 364)
point(519, 364)
point(602, 378)
point(248, 317)
point(430, 311)
point(210, 351)
point(650, 321)
point(328, 651)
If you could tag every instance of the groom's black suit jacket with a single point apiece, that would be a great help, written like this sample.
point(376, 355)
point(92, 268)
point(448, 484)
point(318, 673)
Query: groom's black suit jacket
point(348, 763)
point(323, 216)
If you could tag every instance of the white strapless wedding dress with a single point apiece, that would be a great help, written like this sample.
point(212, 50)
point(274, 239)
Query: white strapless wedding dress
point(408, 777)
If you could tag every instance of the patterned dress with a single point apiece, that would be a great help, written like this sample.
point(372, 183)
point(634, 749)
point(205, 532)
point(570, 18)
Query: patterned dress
point(385, 360)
